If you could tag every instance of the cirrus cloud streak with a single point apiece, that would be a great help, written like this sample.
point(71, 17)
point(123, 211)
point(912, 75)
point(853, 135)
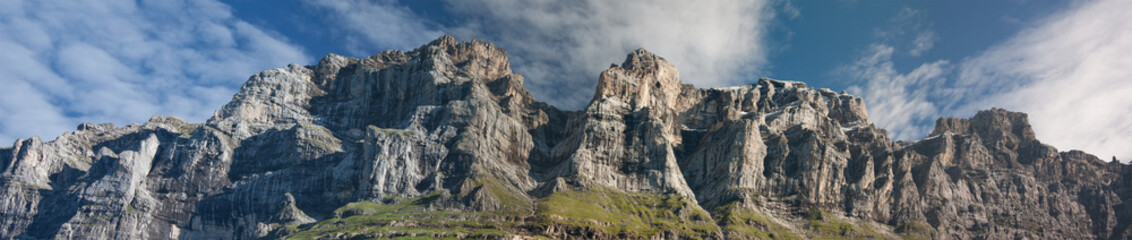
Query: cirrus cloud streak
point(68, 62)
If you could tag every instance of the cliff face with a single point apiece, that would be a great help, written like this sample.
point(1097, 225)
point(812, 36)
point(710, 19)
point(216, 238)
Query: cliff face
point(444, 141)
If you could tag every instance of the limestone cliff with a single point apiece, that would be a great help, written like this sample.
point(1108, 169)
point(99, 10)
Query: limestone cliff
point(444, 141)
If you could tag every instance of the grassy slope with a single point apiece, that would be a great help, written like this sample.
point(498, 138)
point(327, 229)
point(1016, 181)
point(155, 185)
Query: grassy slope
point(405, 219)
point(740, 222)
point(822, 225)
point(601, 212)
point(627, 215)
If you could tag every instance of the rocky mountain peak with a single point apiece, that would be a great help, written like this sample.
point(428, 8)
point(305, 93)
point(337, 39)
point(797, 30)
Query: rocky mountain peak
point(628, 132)
point(443, 42)
point(991, 126)
point(992, 122)
point(1000, 122)
point(642, 80)
point(641, 59)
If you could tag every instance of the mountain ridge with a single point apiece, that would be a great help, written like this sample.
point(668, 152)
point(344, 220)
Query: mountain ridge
point(444, 141)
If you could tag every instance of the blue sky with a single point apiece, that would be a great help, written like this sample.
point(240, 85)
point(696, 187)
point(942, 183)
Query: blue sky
point(1066, 63)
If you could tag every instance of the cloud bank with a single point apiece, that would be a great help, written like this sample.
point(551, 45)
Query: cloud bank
point(67, 62)
point(1071, 72)
point(562, 46)
point(902, 103)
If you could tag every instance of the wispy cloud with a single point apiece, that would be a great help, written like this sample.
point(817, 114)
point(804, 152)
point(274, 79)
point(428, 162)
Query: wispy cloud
point(908, 23)
point(122, 61)
point(561, 46)
point(906, 104)
point(1070, 72)
point(924, 41)
point(372, 26)
point(900, 102)
point(567, 43)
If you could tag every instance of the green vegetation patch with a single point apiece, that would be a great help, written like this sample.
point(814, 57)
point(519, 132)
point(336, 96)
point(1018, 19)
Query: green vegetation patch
point(187, 130)
point(915, 230)
point(738, 220)
point(823, 225)
point(509, 202)
point(322, 137)
point(405, 219)
point(220, 134)
point(626, 215)
point(390, 131)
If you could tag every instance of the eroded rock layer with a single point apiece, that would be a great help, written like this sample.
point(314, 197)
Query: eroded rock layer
point(444, 141)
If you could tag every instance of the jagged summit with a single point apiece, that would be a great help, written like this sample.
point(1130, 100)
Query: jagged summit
point(643, 80)
point(989, 125)
point(444, 141)
point(641, 59)
point(443, 41)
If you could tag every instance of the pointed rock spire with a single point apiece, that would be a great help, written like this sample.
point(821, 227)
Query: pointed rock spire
point(443, 41)
point(642, 59)
point(642, 80)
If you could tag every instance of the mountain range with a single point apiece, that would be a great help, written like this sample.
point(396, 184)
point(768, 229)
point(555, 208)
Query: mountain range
point(445, 142)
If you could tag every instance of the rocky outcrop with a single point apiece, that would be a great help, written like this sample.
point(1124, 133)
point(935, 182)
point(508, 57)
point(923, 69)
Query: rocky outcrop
point(444, 141)
point(989, 176)
point(626, 137)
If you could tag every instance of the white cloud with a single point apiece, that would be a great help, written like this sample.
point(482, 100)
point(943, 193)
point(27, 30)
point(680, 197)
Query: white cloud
point(121, 62)
point(373, 26)
point(907, 104)
point(924, 41)
point(1072, 73)
point(908, 23)
point(901, 103)
point(561, 46)
point(68, 62)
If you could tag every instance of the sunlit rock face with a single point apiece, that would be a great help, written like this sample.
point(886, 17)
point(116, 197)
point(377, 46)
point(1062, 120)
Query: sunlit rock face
point(444, 141)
